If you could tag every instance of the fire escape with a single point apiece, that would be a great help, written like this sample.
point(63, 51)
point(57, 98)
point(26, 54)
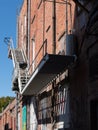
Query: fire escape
point(48, 69)
point(19, 77)
point(50, 66)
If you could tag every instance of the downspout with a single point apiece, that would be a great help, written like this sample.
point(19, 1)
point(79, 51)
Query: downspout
point(28, 29)
point(66, 17)
point(43, 26)
point(53, 52)
point(17, 29)
point(54, 27)
point(28, 53)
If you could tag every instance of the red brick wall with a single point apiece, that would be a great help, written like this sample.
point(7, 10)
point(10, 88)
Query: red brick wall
point(9, 116)
point(22, 29)
point(79, 83)
point(41, 25)
point(1, 121)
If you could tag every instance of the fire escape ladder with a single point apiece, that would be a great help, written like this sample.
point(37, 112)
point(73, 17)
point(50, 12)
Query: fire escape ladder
point(20, 77)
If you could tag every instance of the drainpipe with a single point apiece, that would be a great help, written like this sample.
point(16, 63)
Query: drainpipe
point(43, 21)
point(66, 17)
point(54, 27)
point(17, 29)
point(54, 52)
point(28, 29)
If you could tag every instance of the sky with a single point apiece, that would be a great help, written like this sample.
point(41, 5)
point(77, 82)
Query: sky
point(8, 18)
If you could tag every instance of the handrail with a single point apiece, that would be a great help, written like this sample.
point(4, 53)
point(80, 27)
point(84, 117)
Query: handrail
point(15, 73)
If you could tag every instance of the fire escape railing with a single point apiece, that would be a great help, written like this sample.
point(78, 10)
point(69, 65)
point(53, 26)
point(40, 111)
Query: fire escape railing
point(14, 73)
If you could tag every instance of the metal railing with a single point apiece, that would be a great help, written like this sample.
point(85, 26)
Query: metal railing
point(15, 73)
point(18, 73)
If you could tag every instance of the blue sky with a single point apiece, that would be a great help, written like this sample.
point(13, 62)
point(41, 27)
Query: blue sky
point(8, 9)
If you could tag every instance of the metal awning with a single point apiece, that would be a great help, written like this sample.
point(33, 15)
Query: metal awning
point(50, 66)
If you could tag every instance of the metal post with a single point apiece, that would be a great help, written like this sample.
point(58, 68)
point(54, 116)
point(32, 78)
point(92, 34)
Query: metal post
point(54, 27)
point(66, 17)
point(28, 28)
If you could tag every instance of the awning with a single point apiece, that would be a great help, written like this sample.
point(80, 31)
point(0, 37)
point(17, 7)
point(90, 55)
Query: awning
point(50, 66)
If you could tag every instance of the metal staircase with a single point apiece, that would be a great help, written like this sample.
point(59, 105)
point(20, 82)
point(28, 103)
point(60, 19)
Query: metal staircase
point(20, 58)
point(20, 75)
point(23, 77)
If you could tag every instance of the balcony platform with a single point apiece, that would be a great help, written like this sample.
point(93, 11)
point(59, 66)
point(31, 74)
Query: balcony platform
point(50, 66)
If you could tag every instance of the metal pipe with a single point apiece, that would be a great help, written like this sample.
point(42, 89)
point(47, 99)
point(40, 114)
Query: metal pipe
point(54, 27)
point(71, 16)
point(17, 29)
point(28, 29)
point(43, 24)
point(66, 18)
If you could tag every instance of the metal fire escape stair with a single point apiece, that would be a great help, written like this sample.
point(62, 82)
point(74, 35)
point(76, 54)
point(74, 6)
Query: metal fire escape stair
point(20, 76)
point(22, 79)
point(20, 58)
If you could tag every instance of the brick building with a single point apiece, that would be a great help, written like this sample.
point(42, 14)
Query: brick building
point(55, 65)
point(8, 117)
point(0, 120)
